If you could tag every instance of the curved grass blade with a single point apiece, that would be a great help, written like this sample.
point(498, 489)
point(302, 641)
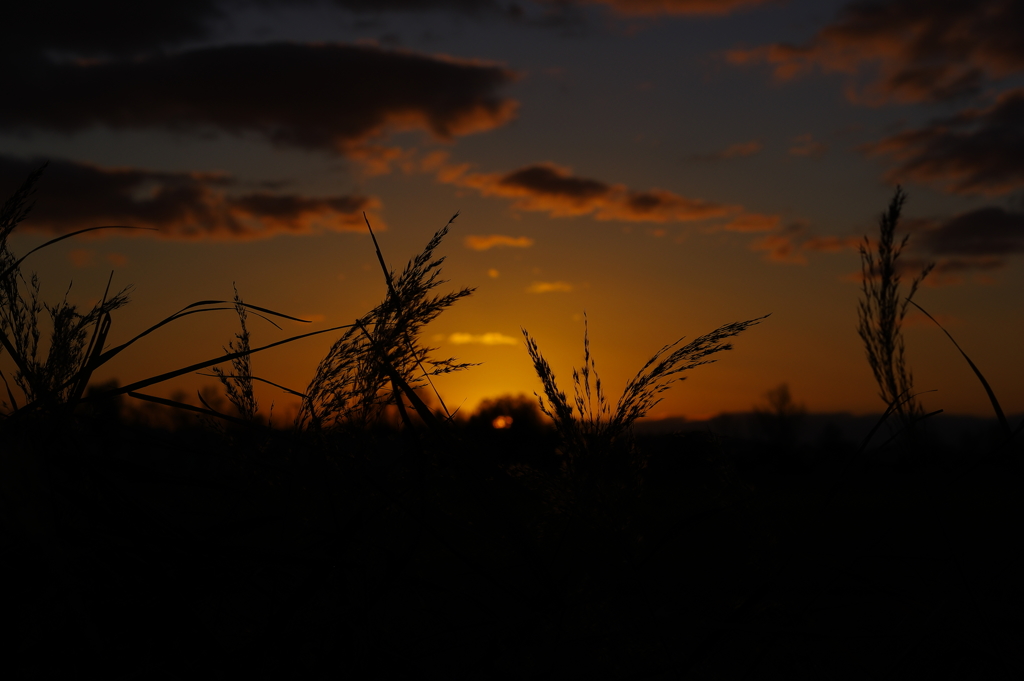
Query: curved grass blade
point(394, 294)
point(977, 372)
point(209, 411)
point(202, 365)
point(18, 361)
point(92, 353)
point(257, 378)
point(14, 402)
point(184, 312)
point(421, 408)
point(914, 422)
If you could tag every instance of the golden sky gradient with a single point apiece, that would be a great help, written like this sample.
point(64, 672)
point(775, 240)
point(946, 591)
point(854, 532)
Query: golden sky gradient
point(664, 167)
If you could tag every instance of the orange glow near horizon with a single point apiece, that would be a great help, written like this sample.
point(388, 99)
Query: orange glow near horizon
point(733, 176)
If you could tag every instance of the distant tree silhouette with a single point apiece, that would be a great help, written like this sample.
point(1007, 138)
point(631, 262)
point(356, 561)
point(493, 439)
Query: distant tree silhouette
point(513, 430)
point(779, 421)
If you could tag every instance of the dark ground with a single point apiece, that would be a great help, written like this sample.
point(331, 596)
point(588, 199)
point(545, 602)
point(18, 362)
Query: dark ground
point(144, 554)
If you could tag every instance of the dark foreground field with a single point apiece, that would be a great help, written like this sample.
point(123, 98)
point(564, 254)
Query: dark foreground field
point(143, 554)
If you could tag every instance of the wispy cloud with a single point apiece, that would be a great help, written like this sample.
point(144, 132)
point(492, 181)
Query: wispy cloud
point(550, 287)
point(782, 248)
point(753, 222)
point(483, 243)
point(490, 338)
point(371, 91)
point(978, 151)
point(180, 205)
point(911, 50)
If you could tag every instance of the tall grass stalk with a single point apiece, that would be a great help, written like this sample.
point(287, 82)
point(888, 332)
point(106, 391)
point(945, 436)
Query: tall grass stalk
point(380, 359)
point(58, 378)
point(593, 428)
point(881, 314)
point(76, 343)
point(239, 384)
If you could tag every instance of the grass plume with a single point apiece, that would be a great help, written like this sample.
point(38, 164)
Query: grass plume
point(592, 429)
point(239, 384)
point(881, 313)
point(380, 360)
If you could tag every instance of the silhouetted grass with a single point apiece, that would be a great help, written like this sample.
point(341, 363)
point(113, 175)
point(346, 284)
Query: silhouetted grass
point(881, 315)
point(426, 545)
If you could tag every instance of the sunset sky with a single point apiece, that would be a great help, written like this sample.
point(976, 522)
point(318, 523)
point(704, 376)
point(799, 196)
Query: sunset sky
point(664, 166)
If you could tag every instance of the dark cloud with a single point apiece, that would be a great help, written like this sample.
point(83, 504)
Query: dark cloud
point(979, 151)
point(308, 96)
point(468, 6)
point(555, 190)
point(973, 243)
point(103, 28)
point(550, 180)
point(127, 28)
point(958, 265)
point(990, 231)
point(114, 28)
point(74, 196)
point(947, 271)
point(917, 50)
point(661, 7)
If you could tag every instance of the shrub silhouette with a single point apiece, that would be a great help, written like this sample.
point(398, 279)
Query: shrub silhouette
point(513, 429)
point(779, 420)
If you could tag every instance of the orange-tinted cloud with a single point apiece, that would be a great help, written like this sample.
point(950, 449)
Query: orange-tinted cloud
point(753, 222)
point(978, 151)
point(780, 248)
point(550, 287)
point(831, 244)
point(490, 338)
point(73, 196)
point(320, 97)
point(660, 7)
point(916, 50)
point(552, 189)
point(483, 243)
